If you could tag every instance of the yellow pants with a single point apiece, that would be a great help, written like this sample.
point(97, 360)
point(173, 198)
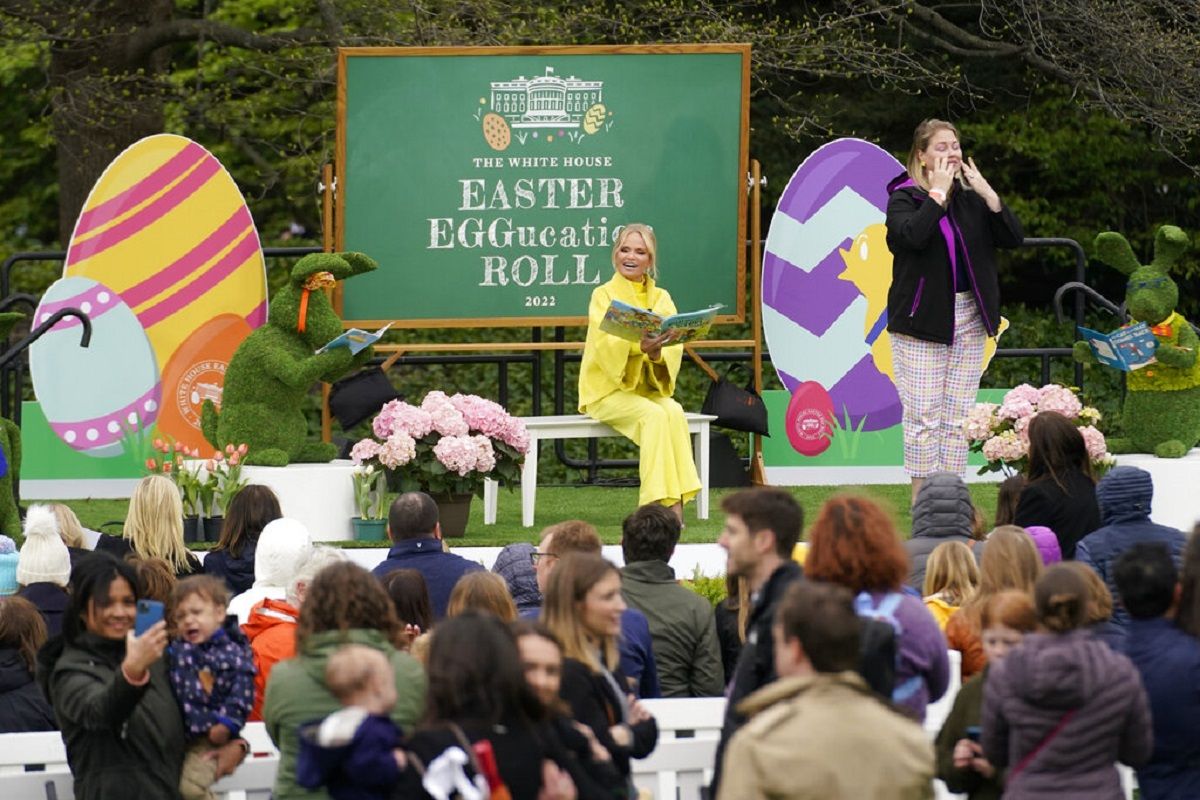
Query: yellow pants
point(657, 426)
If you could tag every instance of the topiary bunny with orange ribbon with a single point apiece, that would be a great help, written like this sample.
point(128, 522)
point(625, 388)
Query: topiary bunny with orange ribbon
point(274, 368)
point(1162, 402)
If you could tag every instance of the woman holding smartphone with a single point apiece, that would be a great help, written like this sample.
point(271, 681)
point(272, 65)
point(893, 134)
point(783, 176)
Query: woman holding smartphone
point(944, 224)
point(109, 689)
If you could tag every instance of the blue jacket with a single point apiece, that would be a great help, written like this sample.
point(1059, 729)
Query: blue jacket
point(440, 569)
point(1124, 496)
point(359, 767)
point(226, 695)
point(51, 601)
point(238, 573)
point(1169, 662)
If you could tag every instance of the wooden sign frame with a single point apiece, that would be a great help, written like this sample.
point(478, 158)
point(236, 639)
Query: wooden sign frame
point(335, 223)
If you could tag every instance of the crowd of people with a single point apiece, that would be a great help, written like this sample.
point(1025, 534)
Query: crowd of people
point(435, 676)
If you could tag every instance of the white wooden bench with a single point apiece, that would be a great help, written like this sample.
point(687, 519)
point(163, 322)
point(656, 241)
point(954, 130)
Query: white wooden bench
point(578, 426)
point(46, 753)
point(689, 730)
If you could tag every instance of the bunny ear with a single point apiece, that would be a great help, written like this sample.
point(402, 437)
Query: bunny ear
point(1113, 249)
point(1169, 245)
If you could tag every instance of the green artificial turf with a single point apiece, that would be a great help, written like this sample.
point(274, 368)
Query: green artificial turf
point(603, 506)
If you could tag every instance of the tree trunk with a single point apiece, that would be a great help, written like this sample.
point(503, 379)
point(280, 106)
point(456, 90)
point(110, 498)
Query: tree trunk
point(102, 101)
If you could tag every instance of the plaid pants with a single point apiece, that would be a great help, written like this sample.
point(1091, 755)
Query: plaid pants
point(937, 384)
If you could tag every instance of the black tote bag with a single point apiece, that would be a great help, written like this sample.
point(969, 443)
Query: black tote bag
point(736, 408)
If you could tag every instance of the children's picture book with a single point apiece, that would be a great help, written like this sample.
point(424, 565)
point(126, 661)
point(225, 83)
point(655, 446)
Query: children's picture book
point(356, 339)
point(1127, 348)
point(630, 322)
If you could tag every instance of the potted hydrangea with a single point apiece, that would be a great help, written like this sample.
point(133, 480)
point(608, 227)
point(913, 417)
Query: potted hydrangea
point(446, 447)
point(1000, 430)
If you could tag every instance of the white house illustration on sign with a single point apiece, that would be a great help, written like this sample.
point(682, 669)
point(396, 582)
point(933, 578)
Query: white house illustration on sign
point(545, 102)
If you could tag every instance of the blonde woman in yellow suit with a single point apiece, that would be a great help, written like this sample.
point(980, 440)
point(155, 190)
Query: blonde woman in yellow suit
point(628, 385)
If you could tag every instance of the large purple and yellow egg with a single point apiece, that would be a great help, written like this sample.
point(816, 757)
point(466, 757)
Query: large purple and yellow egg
point(93, 396)
point(167, 229)
point(821, 314)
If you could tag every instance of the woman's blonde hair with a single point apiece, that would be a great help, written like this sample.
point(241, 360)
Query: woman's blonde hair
point(562, 610)
point(921, 136)
point(651, 244)
point(1010, 561)
point(1100, 599)
point(951, 570)
point(69, 528)
point(482, 591)
point(154, 526)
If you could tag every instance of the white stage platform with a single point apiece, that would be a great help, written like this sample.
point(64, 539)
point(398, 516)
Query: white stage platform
point(1176, 487)
point(319, 495)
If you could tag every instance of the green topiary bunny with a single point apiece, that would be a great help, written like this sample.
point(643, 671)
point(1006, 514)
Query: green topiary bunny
point(274, 368)
point(1162, 400)
point(10, 452)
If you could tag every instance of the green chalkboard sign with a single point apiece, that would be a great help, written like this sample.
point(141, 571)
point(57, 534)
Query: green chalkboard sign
point(489, 183)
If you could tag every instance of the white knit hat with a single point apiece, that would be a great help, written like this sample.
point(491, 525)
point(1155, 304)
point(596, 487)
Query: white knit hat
point(44, 557)
point(283, 547)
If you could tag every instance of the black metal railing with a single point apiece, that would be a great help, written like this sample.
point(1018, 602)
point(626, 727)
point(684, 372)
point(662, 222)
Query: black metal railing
point(13, 368)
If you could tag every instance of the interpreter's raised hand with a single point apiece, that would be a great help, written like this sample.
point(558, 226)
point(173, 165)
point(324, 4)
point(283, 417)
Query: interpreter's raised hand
point(556, 783)
point(941, 177)
point(980, 185)
point(142, 651)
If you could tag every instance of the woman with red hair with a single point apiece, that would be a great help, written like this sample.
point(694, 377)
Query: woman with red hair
point(853, 543)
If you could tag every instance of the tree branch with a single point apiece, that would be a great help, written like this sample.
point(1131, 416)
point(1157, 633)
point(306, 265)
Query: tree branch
point(145, 41)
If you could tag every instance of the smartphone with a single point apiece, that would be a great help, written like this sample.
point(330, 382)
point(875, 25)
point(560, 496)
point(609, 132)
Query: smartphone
point(974, 732)
point(148, 613)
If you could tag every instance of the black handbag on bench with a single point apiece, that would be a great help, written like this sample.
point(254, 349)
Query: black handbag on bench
point(737, 408)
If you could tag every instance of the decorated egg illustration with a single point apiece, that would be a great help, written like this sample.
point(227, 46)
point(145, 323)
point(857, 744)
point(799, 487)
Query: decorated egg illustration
point(826, 272)
point(92, 397)
point(166, 228)
point(197, 373)
point(809, 419)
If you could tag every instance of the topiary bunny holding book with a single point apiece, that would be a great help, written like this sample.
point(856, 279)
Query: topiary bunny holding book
point(1162, 400)
point(273, 369)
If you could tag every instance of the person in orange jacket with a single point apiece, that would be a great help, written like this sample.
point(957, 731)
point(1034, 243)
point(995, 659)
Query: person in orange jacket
point(271, 626)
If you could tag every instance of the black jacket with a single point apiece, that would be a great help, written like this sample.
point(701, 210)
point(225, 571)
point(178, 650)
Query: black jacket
point(51, 601)
point(921, 298)
point(1071, 514)
point(23, 707)
point(122, 740)
point(594, 703)
point(237, 572)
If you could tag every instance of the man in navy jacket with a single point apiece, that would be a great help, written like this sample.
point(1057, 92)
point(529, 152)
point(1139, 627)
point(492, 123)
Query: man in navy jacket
point(416, 534)
point(1168, 659)
point(1124, 496)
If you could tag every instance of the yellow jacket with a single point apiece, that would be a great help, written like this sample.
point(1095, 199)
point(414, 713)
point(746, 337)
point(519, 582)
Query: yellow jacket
point(940, 609)
point(610, 362)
